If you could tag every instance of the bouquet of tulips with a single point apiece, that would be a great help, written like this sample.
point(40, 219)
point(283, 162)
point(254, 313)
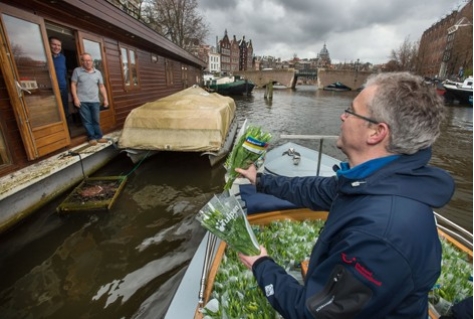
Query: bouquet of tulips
point(223, 216)
point(250, 147)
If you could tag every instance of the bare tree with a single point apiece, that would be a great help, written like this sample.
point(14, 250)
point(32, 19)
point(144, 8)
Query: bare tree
point(405, 57)
point(178, 20)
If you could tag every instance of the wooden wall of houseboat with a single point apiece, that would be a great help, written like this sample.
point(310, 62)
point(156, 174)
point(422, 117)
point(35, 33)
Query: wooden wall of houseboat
point(152, 78)
point(151, 74)
point(11, 133)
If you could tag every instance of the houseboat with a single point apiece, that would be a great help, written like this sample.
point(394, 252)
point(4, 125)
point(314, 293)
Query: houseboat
point(138, 65)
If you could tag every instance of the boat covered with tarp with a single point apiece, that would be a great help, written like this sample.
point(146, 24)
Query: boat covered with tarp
point(192, 120)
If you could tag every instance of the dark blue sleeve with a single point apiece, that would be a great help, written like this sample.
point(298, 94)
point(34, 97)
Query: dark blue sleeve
point(463, 309)
point(260, 203)
point(316, 193)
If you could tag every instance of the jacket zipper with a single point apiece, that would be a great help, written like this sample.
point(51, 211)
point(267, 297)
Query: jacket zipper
point(325, 304)
point(335, 279)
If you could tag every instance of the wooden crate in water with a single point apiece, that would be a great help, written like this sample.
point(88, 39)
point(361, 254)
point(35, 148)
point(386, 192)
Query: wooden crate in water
point(93, 194)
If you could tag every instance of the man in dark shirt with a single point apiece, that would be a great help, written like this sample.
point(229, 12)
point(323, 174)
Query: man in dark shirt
point(59, 61)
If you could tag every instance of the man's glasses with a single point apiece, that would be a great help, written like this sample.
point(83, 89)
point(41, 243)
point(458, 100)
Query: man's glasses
point(368, 119)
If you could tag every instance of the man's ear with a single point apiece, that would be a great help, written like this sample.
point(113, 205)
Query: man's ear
point(379, 133)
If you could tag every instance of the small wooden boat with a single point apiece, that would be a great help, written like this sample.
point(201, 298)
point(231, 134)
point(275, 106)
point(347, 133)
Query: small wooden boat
point(292, 160)
point(192, 120)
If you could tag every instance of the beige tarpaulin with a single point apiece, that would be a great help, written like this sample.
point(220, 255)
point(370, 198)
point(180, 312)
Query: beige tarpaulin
point(192, 120)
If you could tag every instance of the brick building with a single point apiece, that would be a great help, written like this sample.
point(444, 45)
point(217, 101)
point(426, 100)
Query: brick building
point(225, 51)
point(230, 54)
point(246, 54)
point(447, 45)
point(234, 54)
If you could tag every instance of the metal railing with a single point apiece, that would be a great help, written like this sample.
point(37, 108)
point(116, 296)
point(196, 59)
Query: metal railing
point(454, 230)
point(321, 139)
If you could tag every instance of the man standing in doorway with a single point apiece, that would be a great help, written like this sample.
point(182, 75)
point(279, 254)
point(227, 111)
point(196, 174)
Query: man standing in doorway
point(86, 83)
point(59, 61)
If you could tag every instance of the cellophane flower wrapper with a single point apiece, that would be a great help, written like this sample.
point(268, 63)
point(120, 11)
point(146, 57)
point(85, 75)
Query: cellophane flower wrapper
point(455, 281)
point(250, 147)
point(225, 219)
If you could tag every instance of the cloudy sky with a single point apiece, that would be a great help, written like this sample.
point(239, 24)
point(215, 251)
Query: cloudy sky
point(352, 29)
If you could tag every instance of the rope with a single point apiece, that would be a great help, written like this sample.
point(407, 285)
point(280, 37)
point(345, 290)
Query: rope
point(138, 164)
point(121, 176)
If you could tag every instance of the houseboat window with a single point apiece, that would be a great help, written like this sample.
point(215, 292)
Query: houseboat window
point(169, 72)
point(184, 76)
point(34, 82)
point(93, 48)
point(129, 67)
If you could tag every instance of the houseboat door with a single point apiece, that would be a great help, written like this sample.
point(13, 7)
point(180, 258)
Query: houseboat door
point(94, 46)
point(28, 72)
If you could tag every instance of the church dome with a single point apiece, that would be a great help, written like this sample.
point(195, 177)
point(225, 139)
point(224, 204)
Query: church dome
point(324, 51)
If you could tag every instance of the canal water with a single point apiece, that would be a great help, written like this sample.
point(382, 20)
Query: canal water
point(127, 263)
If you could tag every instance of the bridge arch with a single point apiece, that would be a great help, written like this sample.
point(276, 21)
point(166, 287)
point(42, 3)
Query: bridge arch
point(354, 79)
point(262, 78)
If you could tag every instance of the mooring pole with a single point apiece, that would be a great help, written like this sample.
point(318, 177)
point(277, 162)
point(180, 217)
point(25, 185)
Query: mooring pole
point(268, 91)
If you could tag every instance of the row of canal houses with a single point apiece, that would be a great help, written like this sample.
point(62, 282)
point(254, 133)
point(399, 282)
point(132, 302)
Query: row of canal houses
point(138, 65)
point(229, 55)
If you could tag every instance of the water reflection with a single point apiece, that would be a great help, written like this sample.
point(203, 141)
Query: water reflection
point(128, 262)
point(453, 152)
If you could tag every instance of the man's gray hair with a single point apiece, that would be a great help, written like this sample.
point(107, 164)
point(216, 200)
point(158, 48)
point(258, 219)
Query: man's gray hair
point(411, 108)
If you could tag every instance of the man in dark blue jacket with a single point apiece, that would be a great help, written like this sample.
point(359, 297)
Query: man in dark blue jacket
point(379, 253)
point(59, 61)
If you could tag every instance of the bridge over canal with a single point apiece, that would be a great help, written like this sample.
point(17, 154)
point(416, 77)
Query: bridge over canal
point(289, 77)
point(262, 78)
point(354, 79)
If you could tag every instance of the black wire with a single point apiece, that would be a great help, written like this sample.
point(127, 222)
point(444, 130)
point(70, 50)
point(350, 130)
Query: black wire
point(123, 177)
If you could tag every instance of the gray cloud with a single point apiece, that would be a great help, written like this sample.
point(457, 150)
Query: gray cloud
point(352, 29)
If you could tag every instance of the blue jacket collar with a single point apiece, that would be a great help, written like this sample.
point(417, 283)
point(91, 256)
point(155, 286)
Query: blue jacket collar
point(365, 169)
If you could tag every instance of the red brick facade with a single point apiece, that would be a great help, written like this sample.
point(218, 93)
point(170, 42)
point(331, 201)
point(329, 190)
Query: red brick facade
point(442, 53)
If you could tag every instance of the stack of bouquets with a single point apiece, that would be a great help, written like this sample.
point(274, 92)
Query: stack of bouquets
point(224, 217)
point(250, 147)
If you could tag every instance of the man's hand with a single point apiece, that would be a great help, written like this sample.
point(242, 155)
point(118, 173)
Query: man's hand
point(249, 173)
point(248, 261)
point(77, 103)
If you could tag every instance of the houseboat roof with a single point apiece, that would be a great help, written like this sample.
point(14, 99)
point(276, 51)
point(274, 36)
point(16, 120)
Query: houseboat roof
point(105, 18)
